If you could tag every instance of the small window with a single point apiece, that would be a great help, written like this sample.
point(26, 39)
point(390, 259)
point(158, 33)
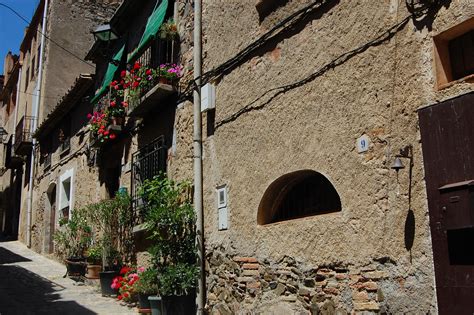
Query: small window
point(461, 53)
point(39, 56)
point(27, 78)
point(66, 193)
point(33, 68)
point(454, 49)
point(297, 195)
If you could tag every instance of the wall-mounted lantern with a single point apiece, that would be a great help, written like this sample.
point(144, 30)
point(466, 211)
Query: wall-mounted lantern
point(104, 33)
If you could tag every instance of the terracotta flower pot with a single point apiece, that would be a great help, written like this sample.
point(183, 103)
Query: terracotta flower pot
point(93, 271)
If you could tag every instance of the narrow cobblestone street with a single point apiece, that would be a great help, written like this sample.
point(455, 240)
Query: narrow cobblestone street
point(33, 284)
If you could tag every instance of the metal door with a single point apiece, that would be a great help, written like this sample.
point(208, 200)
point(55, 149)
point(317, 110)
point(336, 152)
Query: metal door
point(447, 135)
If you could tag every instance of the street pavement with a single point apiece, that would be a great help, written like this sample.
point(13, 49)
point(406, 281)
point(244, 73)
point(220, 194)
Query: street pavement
point(33, 284)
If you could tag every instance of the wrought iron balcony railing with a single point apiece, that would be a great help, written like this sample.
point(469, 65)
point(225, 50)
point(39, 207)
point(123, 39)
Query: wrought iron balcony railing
point(147, 162)
point(158, 53)
point(24, 135)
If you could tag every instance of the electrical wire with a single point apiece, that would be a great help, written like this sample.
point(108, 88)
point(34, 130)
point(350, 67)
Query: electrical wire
point(278, 29)
point(48, 38)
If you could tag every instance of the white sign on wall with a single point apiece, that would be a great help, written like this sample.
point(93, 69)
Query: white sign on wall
point(362, 144)
point(222, 214)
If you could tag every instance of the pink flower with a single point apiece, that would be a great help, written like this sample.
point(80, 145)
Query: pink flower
point(141, 269)
point(89, 116)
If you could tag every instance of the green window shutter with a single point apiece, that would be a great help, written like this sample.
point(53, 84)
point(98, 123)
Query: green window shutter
point(109, 74)
point(152, 26)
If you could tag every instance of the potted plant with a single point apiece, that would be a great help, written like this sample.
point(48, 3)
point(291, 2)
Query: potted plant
point(116, 112)
point(169, 30)
point(94, 261)
point(113, 221)
point(124, 283)
point(146, 286)
point(170, 223)
point(71, 241)
point(169, 73)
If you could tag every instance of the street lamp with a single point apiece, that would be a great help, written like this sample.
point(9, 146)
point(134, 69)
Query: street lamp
point(104, 33)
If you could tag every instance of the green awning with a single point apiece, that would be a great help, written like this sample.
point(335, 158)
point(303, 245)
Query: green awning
point(152, 26)
point(109, 75)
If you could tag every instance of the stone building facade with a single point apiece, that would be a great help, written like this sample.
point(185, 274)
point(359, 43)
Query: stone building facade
point(55, 57)
point(322, 96)
point(11, 175)
point(314, 103)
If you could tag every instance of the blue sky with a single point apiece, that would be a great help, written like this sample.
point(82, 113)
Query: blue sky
point(12, 27)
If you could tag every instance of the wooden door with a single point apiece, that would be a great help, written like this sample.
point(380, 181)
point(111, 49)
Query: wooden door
point(447, 135)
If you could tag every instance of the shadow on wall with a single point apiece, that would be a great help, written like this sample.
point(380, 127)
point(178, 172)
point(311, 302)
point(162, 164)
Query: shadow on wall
point(24, 292)
point(425, 17)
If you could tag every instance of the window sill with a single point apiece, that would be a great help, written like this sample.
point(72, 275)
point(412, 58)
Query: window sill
point(466, 79)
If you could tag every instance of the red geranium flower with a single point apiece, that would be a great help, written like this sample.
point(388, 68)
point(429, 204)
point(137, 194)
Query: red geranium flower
point(136, 66)
point(112, 136)
point(113, 103)
point(119, 297)
point(124, 270)
point(135, 84)
point(123, 73)
point(148, 72)
point(113, 83)
point(124, 104)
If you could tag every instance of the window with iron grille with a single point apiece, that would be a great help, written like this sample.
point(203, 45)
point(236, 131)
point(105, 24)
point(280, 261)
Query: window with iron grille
point(296, 195)
point(147, 162)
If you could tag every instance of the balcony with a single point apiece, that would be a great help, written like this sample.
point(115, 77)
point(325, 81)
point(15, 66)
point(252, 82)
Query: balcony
point(24, 135)
point(12, 161)
point(159, 52)
point(147, 162)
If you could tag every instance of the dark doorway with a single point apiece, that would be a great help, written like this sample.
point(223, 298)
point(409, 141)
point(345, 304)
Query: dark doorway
point(447, 136)
point(52, 217)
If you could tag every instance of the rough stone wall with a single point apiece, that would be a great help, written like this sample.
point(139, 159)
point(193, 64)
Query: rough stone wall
point(180, 165)
point(86, 188)
point(314, 125)
point(245, 285)
point(69, 24)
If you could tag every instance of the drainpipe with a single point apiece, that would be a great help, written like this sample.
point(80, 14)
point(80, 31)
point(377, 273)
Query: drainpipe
point(33, 128)
point(197, 146)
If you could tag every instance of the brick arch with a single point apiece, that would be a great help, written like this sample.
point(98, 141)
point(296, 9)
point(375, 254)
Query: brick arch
point(298, 194)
